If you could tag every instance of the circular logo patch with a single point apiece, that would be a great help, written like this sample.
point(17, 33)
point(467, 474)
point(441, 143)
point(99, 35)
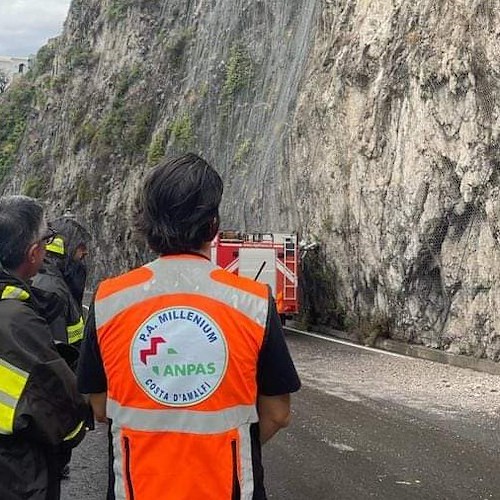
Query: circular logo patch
point(179, 356)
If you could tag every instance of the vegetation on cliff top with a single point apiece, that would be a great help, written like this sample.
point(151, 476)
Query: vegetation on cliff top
point(15, 107)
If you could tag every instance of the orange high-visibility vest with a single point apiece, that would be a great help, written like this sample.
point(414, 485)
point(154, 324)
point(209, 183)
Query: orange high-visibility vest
point(180, 340)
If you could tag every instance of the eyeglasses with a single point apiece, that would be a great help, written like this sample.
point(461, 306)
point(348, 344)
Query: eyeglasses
point(48, 237)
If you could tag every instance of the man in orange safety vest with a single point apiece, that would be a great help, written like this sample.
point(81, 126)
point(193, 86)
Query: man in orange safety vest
point(187, 361)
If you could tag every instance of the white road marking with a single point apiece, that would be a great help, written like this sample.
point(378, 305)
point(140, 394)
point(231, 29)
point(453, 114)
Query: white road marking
point(337, 446)
point(351, 398)
point(345, 342)
point(408, 483)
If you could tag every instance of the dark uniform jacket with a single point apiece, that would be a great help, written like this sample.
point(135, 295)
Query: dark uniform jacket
point(67, 327)
point(40, 407)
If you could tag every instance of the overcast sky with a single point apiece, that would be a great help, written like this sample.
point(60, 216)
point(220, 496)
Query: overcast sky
point(26, 25)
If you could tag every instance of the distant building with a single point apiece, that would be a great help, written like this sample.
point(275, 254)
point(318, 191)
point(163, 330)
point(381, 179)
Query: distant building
point(13, 67)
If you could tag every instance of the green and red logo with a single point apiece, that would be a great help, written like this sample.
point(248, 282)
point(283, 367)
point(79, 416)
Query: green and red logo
point(179, 356)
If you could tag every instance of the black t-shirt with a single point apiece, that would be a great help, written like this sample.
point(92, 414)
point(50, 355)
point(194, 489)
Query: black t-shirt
point(276, 374)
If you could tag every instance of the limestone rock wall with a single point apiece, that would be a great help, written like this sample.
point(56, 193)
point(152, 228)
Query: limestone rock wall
point(130, 81)
point(397, 133)
point(368, 125)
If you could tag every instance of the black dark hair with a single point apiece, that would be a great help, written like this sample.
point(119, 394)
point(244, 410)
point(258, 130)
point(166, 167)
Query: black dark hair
point(21, 220)
point(178, 206)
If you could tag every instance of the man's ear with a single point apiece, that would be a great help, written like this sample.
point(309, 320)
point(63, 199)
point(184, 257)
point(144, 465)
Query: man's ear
point(32, 253)
point(214, 227)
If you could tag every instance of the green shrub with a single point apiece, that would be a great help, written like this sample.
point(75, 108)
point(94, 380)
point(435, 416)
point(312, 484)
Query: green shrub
point(59, 82)
point(109, 132)
point(138, 129)
point(156, 150)
point(124, 129)
point(242, 153)
point(203, 90)
point(327, 224)
point(34, 187)
point(83, 191)
point(126, 78)
point(43, 61)
point(77, 114)
point(371, 328)
point(239, 72)
point(181, 131)
point(175, 47)
point(36, 160)
point(57, 149)
point(117, 10)
point(79, 57)
point(41, 98)
point(84, 136)
point(15, 106)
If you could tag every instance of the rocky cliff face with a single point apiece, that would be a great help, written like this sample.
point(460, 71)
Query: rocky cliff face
point(397, 133)
point(371, 126)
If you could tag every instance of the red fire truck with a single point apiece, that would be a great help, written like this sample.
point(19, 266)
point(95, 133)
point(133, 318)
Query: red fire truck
point(271, 258)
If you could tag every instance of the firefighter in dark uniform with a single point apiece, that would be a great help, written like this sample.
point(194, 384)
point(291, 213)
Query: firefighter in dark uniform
point(64, 273)
point(41, 411)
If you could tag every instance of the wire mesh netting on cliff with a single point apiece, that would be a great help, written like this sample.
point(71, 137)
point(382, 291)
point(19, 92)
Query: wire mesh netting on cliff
point(401, 137)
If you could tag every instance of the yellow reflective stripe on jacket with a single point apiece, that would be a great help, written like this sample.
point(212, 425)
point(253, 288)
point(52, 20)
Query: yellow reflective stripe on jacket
point(57, 246)
point(73, 433)
point(12, 383)
point(12, 379)
point(6, 419)
point(75, 332)
point(14, 292)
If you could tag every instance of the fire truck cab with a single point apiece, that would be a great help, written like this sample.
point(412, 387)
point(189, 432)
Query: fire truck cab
point(270, 258)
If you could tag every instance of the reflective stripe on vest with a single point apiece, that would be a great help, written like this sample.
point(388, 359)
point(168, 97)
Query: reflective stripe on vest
point(246, 465)
point(75, 332)
point(14, 292)
point(194, 422)
point(119, 487)
point(74, 432)
point(187, 277)
point(12, 383)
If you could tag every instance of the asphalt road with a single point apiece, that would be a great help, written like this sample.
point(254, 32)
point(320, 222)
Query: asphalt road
point(365, 425)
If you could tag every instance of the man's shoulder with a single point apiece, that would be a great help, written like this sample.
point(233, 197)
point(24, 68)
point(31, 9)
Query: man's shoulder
point(51, 283)
point(242, 283)
point(19, 315)
point(13, 307)
point(134, 277)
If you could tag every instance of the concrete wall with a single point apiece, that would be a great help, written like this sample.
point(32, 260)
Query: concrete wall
point(14, 66)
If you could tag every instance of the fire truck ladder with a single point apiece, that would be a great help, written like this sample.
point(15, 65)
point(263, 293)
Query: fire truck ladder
point(290, 261)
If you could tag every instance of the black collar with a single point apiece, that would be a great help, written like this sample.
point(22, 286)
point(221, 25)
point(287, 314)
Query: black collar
point(179, 254)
